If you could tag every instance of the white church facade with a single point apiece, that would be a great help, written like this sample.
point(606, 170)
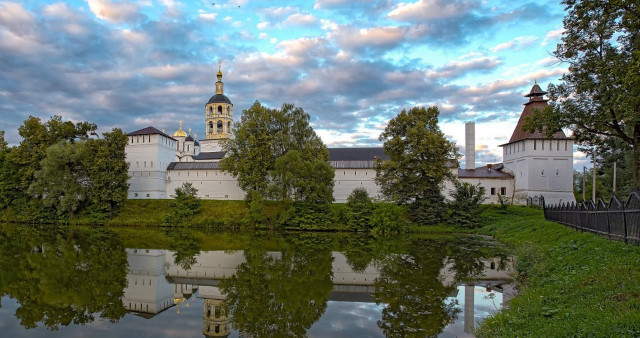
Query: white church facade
point(159, 163)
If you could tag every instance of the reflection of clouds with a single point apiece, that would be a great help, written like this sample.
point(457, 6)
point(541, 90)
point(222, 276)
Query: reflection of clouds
point(346, 319)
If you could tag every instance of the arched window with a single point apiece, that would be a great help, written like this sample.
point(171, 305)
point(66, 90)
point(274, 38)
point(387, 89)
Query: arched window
point(229, 127)
point(219, 127)
point(228, 111)
point(219, 110)
point(210, 127)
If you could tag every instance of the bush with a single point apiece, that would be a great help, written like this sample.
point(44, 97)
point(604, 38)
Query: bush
point(388, 217)
point(465, 207)
point(359, 209)
point(185, 205)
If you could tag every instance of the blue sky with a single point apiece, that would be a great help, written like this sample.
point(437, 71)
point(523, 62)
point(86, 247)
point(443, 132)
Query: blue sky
point(351, 64)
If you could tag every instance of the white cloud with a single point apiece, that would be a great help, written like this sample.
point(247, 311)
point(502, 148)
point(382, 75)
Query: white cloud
point(463, 65)
point(116, 12)
point(555, 34)
point(431, 9)
point(263, 35)
point(208, 16)
point(515, 44)
point(301, 20)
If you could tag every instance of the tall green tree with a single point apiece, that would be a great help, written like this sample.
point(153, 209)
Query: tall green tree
point(417, 167)
point(63, 181)
point(599, 98)
point(108, 171)
point(22, 162)
point(277, 154)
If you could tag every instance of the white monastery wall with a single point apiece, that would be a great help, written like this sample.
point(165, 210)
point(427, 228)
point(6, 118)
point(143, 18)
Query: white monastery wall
point(345, 180)
point(211, 184)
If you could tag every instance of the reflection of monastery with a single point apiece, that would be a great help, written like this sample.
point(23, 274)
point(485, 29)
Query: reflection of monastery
point(156, 283)
point(159, 162)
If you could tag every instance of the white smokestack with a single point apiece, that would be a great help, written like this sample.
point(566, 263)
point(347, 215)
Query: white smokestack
point(470, 145)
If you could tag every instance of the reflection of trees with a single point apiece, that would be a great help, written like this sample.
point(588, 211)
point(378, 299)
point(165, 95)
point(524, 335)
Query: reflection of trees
point(185, 246)
point(61, 276)
point(410, 285)
point(284, 293)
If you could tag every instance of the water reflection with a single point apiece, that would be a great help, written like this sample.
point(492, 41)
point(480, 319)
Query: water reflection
point(273, 285)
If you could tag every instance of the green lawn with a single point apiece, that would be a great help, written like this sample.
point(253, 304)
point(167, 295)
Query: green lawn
point(570, 283)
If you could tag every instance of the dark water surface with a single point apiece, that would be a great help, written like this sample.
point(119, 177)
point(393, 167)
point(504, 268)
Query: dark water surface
point(123, 282)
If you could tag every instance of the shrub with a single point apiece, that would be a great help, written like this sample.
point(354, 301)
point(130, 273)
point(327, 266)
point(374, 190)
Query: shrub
point(185, 205)
point(359, 209)
point(465, 207)
point(388, 217)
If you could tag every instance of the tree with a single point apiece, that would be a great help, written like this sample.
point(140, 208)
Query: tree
point(185, 205)
point(359, 209)
point(264, 136)
point(599, 98)
point(108, 171)
point(465, 207)
point(418, 155)
point(62, 180)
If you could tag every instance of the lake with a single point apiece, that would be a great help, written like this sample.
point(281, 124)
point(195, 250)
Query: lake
point(166, 282)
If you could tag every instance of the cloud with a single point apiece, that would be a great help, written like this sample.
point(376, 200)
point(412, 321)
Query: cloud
point(515, 44)
point(552, 35)
point(116, 12)
point(301, 20)
point(208, 16)
point(461, 67)
point(425, 10)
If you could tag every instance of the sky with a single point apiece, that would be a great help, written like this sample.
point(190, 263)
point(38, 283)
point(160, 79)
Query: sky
point(351, 64)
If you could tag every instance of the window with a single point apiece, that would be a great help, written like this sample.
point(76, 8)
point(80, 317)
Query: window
point(542, 172)
point(147, 195)
point(535, 144)
point(219, 127)
point(228, 111)
point(542, 145)
point(493, 191)
point(219, 110)
point(135, 195)
point(565, 145)
point(503, 191)
point(558, 145)
point(151, 164)
point(557, 172)
point(210, 127)
point(523, 143)
point(228, 127)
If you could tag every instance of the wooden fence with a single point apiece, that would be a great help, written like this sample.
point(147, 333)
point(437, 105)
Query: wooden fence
point(616, 219)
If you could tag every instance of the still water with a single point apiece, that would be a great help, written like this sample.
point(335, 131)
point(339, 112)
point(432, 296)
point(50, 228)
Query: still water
point(123, 282)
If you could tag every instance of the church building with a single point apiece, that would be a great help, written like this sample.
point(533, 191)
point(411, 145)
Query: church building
point(159, 163)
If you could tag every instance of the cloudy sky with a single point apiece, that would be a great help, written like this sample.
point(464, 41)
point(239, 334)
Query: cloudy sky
point(351, 64)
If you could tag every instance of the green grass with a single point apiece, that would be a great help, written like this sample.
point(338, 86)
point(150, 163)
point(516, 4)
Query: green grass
point(570, 283)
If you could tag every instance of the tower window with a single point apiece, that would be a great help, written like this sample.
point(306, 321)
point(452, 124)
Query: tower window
point(219, 127)
point(535, 144)
point(219, 110)
point(228, 111)
point(210, 127)
point(228, 127)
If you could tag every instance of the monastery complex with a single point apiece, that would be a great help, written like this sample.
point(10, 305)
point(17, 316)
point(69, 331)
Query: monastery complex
point(532, 164)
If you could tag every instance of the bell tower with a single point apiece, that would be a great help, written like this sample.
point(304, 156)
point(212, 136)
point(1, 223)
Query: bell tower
point(218, 112)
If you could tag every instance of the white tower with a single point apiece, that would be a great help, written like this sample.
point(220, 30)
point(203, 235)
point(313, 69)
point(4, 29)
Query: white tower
point(149, 152)
point(540, 166)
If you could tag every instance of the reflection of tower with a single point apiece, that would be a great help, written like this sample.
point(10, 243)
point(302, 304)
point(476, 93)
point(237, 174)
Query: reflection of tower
point(469, 307)
point(215, 318)
point(215, 321)
point(182, 293)
point(148, 292)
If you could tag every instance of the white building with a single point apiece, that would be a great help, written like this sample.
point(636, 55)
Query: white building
point(159, 163)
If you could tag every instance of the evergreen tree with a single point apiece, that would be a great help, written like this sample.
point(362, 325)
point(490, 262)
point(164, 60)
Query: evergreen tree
point(465, 207)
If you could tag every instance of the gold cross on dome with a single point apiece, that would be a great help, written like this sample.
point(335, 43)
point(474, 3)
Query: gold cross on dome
point(219, 64)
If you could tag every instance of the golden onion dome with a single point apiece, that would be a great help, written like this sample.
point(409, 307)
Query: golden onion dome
point(180, 132)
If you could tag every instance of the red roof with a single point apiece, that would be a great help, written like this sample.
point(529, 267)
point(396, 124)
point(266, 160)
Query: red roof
point(536, 101)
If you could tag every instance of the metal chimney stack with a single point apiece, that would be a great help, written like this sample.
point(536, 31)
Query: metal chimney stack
point(470, 145)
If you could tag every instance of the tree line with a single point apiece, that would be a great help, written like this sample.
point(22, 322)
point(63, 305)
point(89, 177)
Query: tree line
point(60, 169)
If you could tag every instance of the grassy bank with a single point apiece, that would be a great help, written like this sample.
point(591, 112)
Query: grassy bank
point(570, 283)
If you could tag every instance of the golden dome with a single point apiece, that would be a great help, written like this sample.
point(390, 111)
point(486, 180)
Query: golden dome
point(180, 132)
